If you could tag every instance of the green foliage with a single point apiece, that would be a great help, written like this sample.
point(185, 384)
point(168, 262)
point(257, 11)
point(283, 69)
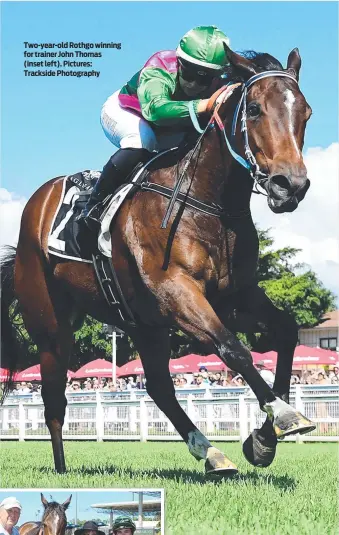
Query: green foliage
point(303, 296)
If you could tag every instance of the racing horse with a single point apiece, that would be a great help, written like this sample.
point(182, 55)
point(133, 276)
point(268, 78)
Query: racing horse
point(204, 283)
point(53, 520)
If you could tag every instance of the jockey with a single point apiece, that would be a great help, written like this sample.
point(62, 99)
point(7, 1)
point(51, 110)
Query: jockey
point(124, 525)
point(154, 110)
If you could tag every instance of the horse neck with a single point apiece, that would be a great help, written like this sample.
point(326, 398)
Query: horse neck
point(218, 178)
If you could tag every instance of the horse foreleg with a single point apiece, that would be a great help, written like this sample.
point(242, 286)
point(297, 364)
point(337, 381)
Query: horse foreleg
point(154, 349)
point(260, 447)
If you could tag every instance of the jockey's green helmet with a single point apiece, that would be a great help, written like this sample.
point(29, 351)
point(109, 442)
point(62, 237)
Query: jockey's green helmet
point(124, 522)
point(204, 47)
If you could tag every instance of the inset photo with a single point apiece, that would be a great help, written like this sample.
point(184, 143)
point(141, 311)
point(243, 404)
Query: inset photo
point(82, 512)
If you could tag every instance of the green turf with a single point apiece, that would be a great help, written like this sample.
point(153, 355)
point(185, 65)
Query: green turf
point(296, 495)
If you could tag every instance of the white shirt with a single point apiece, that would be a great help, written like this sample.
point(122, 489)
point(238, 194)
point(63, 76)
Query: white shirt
point(268, 376)
point(4, 531)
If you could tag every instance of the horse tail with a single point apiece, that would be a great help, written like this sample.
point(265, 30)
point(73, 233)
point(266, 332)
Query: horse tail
point(10, 348)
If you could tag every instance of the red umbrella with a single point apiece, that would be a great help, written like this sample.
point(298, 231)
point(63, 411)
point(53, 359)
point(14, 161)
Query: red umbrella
point(304, 355)
point(33, 374)
point(133, 367)
point(3, 374)
point(30, 374)
point(96, 368)
point(177, 367)
point(269, 359)
point(194, 362)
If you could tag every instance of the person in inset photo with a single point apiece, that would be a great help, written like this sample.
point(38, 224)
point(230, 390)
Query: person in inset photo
point(124, 525)
point(10, 510)
point(89, 528)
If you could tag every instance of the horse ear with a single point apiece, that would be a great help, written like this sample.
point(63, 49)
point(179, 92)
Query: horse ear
point(67, 502)
point(240, 62)
point(43, 500)
point(294, 62)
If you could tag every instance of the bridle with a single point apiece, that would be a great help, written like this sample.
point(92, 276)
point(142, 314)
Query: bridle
point(249, 162)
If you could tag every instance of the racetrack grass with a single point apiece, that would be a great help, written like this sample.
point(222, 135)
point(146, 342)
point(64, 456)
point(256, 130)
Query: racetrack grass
point(296, 495)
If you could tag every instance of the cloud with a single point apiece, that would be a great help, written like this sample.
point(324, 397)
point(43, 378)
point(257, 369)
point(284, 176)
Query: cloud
point(11, 207)
point(313, 227)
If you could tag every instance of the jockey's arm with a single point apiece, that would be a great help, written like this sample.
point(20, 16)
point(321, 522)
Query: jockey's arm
point(155, 91)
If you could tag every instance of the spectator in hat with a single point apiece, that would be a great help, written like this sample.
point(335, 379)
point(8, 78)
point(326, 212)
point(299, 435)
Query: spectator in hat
point(89, 528)
point(10, 510)
point(266, 374)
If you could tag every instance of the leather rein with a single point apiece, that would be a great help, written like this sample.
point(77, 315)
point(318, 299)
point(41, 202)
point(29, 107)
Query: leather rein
point(249, 162)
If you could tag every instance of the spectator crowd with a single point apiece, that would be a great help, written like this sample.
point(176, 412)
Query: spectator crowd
point(201, 379)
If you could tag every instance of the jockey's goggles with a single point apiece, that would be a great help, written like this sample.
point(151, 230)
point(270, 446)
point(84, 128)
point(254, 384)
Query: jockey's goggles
point(196, 73)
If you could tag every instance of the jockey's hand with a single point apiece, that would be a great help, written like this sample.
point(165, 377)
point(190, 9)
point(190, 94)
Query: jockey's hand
point(221, 95)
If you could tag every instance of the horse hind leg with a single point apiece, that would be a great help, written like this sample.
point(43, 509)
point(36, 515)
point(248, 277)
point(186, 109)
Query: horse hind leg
point(154, 349)
point(45, 318)
point(282, 419)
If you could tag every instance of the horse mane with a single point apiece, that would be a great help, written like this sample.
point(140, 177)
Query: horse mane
point(262, 61)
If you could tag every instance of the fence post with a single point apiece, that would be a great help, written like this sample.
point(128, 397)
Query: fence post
point(210, 423)
point(243, 420)
point(5, 420)
point(99, 418)
point(132, 414)
point(299, 407)
point(190, 408)
point(21, 421)
point(143, 420)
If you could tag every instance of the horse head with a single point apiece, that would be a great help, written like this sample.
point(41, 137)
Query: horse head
point(271, 118)
point(54, 519)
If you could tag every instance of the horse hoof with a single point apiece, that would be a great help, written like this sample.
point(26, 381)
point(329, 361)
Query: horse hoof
point(217, 464)
point(291, 423)
point(259, 450)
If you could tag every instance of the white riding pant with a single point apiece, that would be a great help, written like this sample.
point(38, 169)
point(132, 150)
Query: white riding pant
point(126, 129)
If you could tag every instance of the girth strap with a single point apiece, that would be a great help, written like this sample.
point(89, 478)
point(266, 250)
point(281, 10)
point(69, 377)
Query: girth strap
point(210, 209)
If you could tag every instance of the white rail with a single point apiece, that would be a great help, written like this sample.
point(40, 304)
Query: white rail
point(221, 416)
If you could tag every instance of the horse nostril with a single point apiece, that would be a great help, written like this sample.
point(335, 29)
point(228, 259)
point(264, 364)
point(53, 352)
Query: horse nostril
point(281, 181)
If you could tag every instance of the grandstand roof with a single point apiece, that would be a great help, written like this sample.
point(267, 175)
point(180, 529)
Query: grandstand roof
point(148, 505)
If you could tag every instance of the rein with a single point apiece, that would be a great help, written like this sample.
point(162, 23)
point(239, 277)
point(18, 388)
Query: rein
point(249, 162)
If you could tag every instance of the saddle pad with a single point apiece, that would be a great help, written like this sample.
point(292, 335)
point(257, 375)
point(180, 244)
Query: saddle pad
point(65, 239)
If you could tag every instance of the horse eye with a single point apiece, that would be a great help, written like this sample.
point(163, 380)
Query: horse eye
point(253, 110)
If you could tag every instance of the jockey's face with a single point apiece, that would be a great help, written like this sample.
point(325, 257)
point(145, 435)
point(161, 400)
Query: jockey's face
point(194, 80)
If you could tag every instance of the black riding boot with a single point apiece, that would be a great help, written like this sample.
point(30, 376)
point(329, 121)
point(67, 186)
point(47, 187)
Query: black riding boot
point(118, 167)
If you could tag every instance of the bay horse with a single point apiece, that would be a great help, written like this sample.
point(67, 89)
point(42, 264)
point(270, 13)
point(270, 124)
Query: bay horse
point(209, 288)
point(53, 520)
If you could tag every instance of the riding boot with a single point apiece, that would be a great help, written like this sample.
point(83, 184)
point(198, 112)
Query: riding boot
point(113, 175)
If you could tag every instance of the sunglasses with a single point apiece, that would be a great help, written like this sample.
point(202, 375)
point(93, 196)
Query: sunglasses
point(192, 74)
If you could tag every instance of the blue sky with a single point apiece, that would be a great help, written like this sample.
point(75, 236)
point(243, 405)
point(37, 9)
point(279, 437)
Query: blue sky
point(50, 126)
point(32, 508)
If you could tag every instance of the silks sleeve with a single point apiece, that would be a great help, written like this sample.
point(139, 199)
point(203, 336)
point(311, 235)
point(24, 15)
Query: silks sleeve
point(155, 90)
